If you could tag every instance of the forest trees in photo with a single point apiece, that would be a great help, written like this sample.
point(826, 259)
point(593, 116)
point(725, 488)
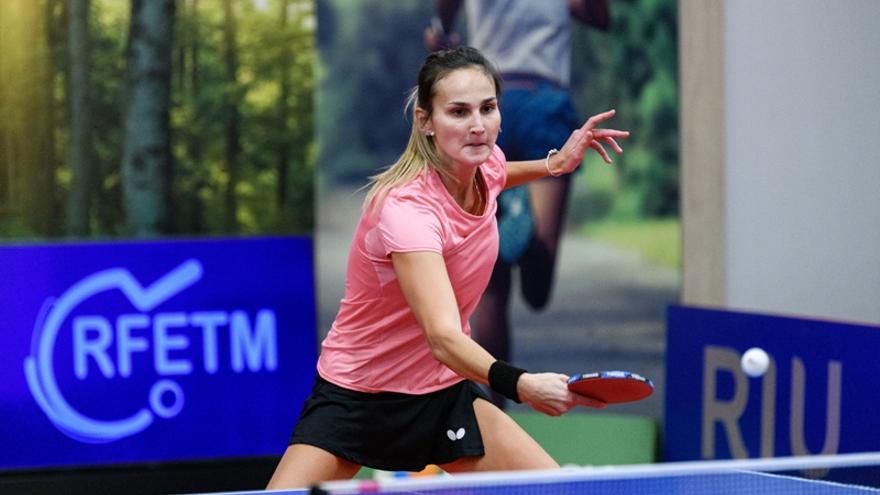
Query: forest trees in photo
point(155, 118)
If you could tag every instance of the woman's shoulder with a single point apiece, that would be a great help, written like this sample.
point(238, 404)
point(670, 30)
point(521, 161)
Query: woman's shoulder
point(416, 192)
point(411, 190)
point(495, 168)
point(498, 157)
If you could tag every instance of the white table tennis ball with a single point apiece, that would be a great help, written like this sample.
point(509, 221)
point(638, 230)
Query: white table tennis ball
point(755, 362)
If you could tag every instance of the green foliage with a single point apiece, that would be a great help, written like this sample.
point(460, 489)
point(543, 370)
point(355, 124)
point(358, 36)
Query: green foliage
point(109, 26)
point(657, 241)
point(270, 140)
point(266, 134)
point(633, 68)
point(593, 196)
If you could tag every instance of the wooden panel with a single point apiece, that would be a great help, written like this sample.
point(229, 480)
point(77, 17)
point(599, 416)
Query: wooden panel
point(701, 66)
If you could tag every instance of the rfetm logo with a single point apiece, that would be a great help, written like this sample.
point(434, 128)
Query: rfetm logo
point(253, 347)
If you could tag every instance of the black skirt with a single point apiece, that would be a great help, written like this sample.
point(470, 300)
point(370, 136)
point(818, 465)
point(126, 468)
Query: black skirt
point(392, 431)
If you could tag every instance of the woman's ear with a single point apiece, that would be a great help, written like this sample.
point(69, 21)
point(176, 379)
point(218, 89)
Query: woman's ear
point(423, 118)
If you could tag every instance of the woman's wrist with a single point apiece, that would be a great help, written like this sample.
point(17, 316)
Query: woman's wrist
point(551, 170)
point(503, 378)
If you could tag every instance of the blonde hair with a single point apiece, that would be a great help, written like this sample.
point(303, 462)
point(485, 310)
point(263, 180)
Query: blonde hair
point(420, 154)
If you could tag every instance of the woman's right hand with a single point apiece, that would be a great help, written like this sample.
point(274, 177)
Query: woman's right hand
point(588, 136)
point(548, 393)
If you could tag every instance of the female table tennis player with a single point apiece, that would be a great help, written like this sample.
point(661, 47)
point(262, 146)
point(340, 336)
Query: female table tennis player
point(396, 386)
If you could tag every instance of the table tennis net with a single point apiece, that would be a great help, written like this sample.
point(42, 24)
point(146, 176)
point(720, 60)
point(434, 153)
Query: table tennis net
point(819, 475)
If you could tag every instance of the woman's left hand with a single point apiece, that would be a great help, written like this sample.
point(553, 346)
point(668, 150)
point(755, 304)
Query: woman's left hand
point(588, 136)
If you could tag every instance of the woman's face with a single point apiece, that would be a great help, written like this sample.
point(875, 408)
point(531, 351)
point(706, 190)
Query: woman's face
point(466, 119)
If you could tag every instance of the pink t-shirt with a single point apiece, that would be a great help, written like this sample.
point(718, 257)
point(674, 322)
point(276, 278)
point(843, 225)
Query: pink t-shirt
point(375, 343)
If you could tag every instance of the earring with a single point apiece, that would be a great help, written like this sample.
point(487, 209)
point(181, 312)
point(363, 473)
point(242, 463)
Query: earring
point(430, 133)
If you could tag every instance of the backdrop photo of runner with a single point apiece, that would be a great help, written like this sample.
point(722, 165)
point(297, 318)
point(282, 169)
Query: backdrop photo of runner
point(618, 264)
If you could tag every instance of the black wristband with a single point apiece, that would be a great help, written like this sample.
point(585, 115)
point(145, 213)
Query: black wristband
point(503, 378)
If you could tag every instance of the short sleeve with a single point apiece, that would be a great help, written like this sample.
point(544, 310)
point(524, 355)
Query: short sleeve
point(495, 172)
point(409, 223)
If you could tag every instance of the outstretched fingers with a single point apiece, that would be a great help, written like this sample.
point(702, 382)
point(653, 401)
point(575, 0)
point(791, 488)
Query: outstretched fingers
point(599, 149)
point(590, 136)
point(610, 141)
point(613, 133)
point(595, 120)
point(595, 136)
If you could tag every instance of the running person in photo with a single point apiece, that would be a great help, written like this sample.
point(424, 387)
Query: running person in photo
point(398, 372)
point(530, 44)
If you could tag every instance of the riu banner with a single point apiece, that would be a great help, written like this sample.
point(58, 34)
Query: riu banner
point(153, 351)
point(817, 395)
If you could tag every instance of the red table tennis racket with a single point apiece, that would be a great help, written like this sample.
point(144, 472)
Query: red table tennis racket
point(611, 387)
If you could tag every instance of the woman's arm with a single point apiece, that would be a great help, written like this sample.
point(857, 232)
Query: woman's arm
point(567, 159)
point(425, 285)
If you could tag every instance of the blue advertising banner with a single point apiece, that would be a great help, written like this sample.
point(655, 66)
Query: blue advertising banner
point(818, 395)
point(153, 351)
